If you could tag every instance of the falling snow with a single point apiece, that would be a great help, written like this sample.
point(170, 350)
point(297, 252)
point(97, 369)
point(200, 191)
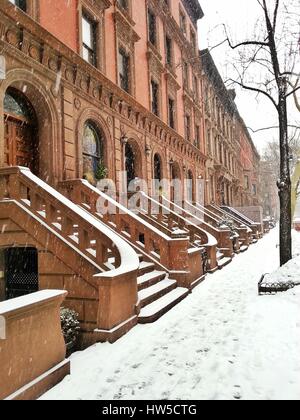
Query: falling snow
point(223, 342)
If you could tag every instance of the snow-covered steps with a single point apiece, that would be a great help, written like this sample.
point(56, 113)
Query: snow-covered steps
point(220, 255)
point(157, 309)
point(223, 262)
point(146, 267)
point(244, 248)
point(155, 292)
point(149, 279)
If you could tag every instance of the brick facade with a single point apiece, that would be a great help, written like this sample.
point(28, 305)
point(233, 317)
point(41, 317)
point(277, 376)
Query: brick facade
point(99, 92)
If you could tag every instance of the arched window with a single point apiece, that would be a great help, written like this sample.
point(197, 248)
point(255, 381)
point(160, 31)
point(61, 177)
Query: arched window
point(93, 152)
point(157, 168)
point(130, 163)
point(17, 105)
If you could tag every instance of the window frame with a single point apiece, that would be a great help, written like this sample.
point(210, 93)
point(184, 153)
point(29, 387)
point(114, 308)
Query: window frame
point(122, 51)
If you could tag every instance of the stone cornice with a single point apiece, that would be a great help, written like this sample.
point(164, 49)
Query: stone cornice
point(194, 10)
point(40, 48)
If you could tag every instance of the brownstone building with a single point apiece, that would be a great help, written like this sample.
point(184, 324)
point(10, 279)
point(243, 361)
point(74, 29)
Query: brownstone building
point(232, 159)
point(92, 89)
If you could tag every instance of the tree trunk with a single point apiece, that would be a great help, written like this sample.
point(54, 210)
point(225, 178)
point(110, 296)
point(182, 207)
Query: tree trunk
point(285, 180)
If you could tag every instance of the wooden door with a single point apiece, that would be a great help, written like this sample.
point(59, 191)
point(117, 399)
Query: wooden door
point(20, 143)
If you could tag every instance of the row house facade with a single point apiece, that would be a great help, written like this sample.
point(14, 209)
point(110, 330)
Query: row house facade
point(232, 159)
point(122, 86)
point(94, 89)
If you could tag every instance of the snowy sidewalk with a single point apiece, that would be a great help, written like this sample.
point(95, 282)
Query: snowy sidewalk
point(222, 342)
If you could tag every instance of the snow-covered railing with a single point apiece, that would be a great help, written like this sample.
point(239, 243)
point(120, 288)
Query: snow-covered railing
point(159, 246)
point(221, 237)
point(198, 237)
point(83, 234)
point(255, 227)
point(243, 230)
point(93, 238)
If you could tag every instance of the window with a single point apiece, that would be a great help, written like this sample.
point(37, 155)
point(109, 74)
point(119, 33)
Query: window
point(254, 189)
point(195, 87)
point(89, 43)
point(16, 104)
point(182, 22)
point(152, 27)
point(247, 182)
point(169, 48)
point(186, 75)
point(172, 113)
point(93, 155)
point(123, 4)
point(187, 124)
point(157, 167)
point(197, 136)
point(22, 4)
point(154, 97)
point(193, 41)
point(124, 70)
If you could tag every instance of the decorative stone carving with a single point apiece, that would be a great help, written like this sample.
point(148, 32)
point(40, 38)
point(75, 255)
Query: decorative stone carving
point(77, 103)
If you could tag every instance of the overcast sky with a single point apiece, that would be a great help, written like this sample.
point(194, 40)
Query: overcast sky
point(240, 17)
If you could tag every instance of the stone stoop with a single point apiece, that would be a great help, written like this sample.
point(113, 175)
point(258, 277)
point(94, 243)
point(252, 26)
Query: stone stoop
point(222, 260)
point(157, 293)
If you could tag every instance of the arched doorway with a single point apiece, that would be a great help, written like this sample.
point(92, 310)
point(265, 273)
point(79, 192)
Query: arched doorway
point(20, 131)
point(94, 168)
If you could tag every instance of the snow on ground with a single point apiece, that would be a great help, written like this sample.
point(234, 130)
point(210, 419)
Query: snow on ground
point(290, 272)
point(223, 342)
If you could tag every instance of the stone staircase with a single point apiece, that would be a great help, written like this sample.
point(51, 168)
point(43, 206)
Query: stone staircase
point(157, 293)
point(163, 280)
point(74, 249)
point(223, 261)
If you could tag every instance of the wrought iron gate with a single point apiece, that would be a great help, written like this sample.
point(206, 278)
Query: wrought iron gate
point(21, 272)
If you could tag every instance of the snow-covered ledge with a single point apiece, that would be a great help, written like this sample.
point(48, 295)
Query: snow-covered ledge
point(32, 346)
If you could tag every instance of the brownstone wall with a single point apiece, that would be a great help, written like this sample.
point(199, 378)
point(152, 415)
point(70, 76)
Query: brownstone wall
point(53, 274)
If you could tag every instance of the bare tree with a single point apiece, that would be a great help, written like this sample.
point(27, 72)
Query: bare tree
point(268, 64)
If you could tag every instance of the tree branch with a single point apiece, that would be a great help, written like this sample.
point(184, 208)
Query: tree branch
point(271, 128)
point(253, 89)
point(293, 92)
point(233, 47)
point(275, 15)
